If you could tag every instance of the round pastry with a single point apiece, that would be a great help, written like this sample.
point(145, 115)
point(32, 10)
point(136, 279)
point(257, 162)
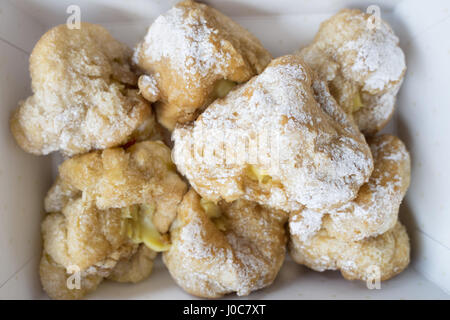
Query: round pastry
point(91, 244)
point(84, 94)
point(381, 257)
point(109, 213)
point(141, 175)
point(375, 210)
point(362, 63)
point(280, 140)
point(218, 249)
point(192, 55)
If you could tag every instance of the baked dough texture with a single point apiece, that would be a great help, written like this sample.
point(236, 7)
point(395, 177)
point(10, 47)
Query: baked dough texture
point(363, 238)
point(187, 52)
point(382, 257)
point(82, 235)
point(118, 178)
point(95, 243)
point(85, 94)
point(362, 63)
point(242, 253)
point(90, 225)
point(280, 140)
point(375, 210)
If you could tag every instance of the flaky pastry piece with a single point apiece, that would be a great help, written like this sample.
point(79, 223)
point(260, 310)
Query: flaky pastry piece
point(280, 140)
point(142, 174)
point(375, 210)
point(84, 94)
point(225, 248)
point(360, 59)
point(381, 257)
point(109, 213)
point(192, 55)
point(91, 244)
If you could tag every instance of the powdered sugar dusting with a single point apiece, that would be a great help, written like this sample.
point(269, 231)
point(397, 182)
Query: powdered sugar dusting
point(377, 54)
point(364, 66)
point(150, 85)
point(377, 109)
point(211, 262)
point(83, 94)
point(305, 225)
point(375, 210)
point(317, 157)
point(184, 39)
point(388, 254)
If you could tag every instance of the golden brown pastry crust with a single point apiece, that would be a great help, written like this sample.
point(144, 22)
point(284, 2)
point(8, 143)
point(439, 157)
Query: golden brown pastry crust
point(364, 66)
point(389, 253)
point(118, 178)
point(208, 262)
point(91, 242)
point(87, 226)
point(375, 210)
point(186, 52)
point(84, 94)
point(363, 235)
point(316, 156)
point(83, 235)
point(343, 202)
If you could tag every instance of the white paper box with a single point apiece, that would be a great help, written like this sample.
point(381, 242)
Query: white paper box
point(421, 121)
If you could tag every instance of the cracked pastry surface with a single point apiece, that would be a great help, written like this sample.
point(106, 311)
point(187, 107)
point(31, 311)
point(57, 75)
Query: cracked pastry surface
point(280, 140)
point(362, 63)
point(118, 178)
point(109, 213)
point(383, 256)
point(193, 54)
point(93, 243)
point(219, 249)
point(261, 142)
point(375, 210)
point(84, 94)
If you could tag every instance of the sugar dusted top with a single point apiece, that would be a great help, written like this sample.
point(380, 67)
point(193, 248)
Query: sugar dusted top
point(315, 156)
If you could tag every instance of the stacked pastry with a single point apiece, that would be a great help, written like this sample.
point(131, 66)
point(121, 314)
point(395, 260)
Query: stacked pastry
point(364, 68)
point(108, 209)
point(272, 158)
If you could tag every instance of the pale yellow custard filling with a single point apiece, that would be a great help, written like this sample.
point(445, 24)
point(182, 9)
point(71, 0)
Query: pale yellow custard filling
point(214, 212)
point(222, 87)
point(258, 174)
point(357, 102)
point(140, 228)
